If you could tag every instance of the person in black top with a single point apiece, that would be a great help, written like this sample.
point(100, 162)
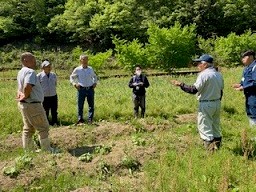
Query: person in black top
point(138, 83)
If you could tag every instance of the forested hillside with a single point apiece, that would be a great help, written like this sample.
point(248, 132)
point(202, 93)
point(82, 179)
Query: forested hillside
point(155, 34)
point(92, 23)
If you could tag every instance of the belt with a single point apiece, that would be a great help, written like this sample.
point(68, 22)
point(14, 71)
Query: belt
point(22, 101)
point(209, 100)
point(87, 88)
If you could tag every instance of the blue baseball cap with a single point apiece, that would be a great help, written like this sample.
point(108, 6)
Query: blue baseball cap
point(205, 57)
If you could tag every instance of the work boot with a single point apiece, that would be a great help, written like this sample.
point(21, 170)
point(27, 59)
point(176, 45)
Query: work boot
point(80, 122)
point(217, 141)
point(28, 143)
point(210, 145)
point(207, 144)
point(45, 144)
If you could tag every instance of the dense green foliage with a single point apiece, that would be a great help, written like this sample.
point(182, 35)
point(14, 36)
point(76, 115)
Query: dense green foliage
point(91, 23)
point(155, 34)
point(166, 49)
point(227, 51)
point(171, 48)
point(130, 54)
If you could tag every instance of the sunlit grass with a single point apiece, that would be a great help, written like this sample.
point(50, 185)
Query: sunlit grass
point(179, 162)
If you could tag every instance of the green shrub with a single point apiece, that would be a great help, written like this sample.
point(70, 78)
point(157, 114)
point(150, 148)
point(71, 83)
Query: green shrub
point(129, 54)
point(100, 60)
point(76, 52)
point(171, 47)
point(227, 50)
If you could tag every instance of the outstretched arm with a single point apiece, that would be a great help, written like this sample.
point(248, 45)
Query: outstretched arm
point(238, 87)
point(186, 88)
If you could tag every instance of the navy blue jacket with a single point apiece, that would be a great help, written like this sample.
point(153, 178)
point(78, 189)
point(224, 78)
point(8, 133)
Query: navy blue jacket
point(249, 85)
point(249, 79)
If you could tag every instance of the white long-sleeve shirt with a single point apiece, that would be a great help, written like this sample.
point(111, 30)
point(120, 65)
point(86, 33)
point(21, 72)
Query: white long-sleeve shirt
point(85, 77)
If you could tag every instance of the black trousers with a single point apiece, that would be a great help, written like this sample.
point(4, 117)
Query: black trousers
point(51, 103)
point(139, 101)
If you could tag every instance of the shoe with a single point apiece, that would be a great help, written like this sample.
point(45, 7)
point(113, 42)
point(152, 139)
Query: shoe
point(210, 145)
point(89, 122)
point(28, 143)
point(55, 124)
point(217, 141)
point(80, 122)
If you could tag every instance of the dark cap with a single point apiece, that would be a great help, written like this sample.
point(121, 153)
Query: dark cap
point(205, 57)
point(248, 53)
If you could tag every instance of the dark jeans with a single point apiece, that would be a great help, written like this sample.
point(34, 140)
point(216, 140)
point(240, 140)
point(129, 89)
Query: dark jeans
point(139, 101)
point(83, 93)
point(51, 103)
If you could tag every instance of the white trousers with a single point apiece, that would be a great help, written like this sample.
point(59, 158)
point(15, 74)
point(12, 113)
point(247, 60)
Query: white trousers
point(209, 120)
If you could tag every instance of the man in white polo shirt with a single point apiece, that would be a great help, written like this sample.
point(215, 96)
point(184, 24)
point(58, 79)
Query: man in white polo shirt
point(209, 89)
point(84, 80)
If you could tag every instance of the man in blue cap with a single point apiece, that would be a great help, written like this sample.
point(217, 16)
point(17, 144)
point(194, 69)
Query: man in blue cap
point(209, 89)
point(248, 85)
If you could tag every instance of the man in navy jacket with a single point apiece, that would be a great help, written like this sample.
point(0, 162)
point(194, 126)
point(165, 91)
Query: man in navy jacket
point(248, 85)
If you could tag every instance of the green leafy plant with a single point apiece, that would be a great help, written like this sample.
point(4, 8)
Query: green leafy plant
point(87, 157)
point(227, 50)
point(100, 60)
point(103, 149)
point(104, 169)
point(11, 171)
point(137, 140)
point(130, 163)
point(22, 162)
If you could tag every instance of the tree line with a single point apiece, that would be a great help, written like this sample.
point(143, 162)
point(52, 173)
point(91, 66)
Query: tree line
point(155, 34)
point(92, 23)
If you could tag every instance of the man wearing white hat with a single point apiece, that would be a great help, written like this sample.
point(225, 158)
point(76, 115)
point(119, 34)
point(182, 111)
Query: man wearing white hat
point(48, 82)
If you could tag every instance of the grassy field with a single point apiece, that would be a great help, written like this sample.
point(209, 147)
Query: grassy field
point(161, 152)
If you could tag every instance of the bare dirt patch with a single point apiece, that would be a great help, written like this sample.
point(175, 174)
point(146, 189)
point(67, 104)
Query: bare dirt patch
point(186, 118)
point(69, 138)
point(11, 142)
